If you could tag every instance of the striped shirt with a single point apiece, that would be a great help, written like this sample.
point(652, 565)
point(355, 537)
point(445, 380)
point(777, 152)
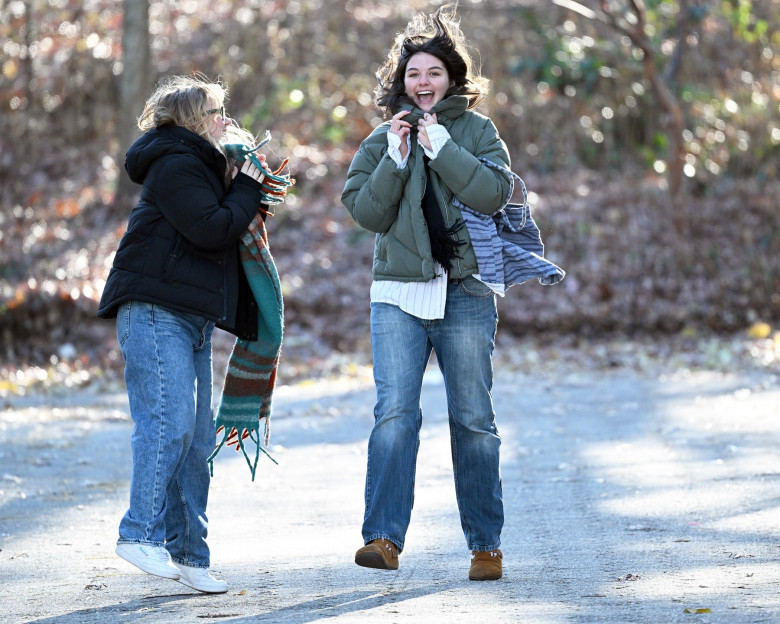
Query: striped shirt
point(425, 300)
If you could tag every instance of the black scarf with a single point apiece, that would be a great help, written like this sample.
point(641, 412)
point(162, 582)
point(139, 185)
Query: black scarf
point(444, 245)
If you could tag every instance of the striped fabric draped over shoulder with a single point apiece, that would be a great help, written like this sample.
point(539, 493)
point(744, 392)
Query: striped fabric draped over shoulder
point(508, 244)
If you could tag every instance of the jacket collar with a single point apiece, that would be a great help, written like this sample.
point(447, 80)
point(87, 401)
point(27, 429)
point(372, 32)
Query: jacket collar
point(448, 109)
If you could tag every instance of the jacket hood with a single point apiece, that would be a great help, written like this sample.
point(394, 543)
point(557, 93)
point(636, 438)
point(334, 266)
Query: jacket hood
point(167, 140)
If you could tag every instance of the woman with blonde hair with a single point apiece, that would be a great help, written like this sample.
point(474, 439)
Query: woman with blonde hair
point(175, 276)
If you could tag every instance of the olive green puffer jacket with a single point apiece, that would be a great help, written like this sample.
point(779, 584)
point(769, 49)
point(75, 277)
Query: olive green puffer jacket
point(387, 200)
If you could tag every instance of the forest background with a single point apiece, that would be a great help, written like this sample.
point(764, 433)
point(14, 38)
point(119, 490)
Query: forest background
point(646, 132)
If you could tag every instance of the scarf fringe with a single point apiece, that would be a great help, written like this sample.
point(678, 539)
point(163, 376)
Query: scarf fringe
point(275, 183)
point(233, 439)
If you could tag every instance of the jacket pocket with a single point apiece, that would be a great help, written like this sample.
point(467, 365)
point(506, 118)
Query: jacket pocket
point(172, 260)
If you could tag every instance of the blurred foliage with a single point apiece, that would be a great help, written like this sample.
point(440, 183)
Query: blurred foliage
point(588, 95)
point(568, 96)
point(567, 90)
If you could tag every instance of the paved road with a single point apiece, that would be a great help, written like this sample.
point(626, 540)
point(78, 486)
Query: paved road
point(629, 498)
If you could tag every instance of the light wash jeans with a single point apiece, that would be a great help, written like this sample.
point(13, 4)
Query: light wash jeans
point(463, 341)
point(168, 376)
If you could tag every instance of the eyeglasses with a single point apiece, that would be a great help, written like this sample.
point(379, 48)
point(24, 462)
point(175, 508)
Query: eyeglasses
point(220, 110)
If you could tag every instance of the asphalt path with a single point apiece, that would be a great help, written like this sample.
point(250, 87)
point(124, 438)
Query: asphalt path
point(628, 498)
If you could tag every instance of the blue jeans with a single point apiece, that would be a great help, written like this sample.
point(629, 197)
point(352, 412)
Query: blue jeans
point(168, 376)
point(463, 341)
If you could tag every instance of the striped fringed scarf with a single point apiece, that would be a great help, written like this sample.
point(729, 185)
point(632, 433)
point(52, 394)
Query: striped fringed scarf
point(251, 374)
point(275, 183)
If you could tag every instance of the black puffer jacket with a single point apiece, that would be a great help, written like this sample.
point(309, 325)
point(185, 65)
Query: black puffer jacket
point(181, 245)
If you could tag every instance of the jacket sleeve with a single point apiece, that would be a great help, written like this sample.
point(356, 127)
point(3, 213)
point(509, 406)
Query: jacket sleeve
point(191, 204)
point(475, 184)
point(372, 193)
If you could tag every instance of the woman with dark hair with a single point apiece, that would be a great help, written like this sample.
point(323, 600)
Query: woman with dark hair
point(426, 294)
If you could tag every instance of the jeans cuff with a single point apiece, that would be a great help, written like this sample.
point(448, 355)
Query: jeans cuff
point(398, 543)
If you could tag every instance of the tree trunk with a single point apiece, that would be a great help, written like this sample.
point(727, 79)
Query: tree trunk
point(669, 103)
point(661, 90)
point(135, 84)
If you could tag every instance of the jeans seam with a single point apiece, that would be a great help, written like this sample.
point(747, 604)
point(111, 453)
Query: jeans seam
point(202, 341)
point(458, 497)
point(161, 430)
point(187, 523)
point(126, 327)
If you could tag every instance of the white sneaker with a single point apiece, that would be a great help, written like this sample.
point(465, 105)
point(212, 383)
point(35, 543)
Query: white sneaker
point(200, 579)
point(151, 559)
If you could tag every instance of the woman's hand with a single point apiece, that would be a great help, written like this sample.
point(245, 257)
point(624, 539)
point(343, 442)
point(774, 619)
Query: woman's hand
point(402, 129)
point(426, 120)
point(251, 170)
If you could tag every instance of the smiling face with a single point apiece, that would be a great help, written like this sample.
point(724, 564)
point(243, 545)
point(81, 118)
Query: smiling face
point(426, 80)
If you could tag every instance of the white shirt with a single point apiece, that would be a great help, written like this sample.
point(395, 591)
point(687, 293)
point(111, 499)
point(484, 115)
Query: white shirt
point(425, 300)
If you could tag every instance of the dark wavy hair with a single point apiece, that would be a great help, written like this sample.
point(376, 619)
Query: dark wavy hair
point(439, 35)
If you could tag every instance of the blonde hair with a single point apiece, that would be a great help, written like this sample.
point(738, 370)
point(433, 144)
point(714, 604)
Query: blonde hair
point(183, 101)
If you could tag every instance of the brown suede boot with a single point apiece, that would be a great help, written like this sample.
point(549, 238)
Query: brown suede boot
point(381, 554)
point(486, 566)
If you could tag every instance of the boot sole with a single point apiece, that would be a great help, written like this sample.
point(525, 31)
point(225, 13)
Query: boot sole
point(492, 577)
point(373, 560)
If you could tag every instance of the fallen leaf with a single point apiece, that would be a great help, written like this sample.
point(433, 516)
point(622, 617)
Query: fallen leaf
point(629, 577)
point(759, 330)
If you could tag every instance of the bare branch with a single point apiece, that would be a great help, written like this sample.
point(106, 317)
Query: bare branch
point(577, 8)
